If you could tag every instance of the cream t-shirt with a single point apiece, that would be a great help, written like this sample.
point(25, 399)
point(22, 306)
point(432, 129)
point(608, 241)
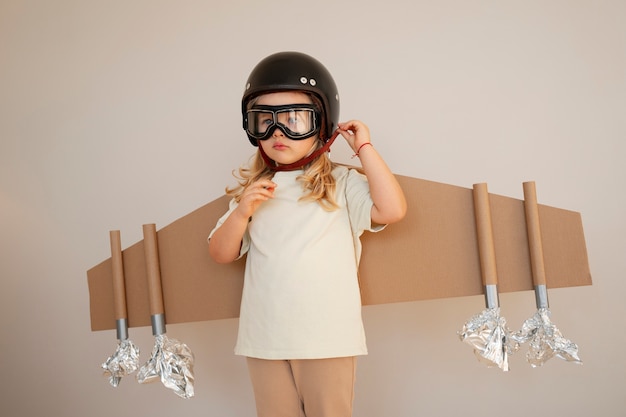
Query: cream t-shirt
point(301, 297)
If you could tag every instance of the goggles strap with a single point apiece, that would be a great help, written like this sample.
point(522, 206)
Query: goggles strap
point(271, 164)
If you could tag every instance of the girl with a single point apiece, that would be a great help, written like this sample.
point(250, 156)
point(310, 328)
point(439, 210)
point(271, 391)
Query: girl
point(299, 216)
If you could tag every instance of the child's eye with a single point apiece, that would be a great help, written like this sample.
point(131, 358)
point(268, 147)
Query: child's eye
point(265, 119)
point(261, 121)
point(293, 118)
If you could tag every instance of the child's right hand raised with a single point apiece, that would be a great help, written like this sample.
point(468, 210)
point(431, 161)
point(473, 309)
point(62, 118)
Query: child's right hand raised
point(254, 195)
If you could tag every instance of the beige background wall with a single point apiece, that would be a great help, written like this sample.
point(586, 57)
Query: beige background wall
point(119, 113)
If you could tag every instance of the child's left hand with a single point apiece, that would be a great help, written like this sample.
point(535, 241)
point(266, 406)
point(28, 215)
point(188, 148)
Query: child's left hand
point(355, 132)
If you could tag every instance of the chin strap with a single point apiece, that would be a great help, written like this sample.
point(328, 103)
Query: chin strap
point(272, 165)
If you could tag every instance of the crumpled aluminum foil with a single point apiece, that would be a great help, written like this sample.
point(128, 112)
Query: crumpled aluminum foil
point(488, 334)
point(124, 361)
point(545, 340)
point(172, 362)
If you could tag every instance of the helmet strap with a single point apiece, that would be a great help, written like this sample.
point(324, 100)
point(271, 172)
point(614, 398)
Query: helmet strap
point(272, 165)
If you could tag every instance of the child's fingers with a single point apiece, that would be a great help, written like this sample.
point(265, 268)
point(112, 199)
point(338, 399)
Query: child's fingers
point(351, 126)
point(355, 132)
point(266, 184)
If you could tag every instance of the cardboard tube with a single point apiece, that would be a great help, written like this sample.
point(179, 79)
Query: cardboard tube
point(535, 245)
point(153, 271)
point(119, 286)
point(119, 290)
point(484, 234)
point(534, 234)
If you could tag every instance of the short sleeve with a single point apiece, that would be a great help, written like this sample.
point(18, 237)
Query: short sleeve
point(245, 244)
point(359, 202)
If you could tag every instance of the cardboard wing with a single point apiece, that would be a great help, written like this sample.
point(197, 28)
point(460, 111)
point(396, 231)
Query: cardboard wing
point(432, 253)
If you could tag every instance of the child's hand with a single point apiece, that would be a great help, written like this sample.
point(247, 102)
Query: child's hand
point(254, 195)
point(355, 132)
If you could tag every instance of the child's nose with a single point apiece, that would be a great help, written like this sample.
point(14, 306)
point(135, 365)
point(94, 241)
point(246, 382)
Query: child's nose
point(277, 132)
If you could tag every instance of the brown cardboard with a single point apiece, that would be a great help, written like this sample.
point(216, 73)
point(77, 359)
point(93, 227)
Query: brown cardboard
point(432, 253)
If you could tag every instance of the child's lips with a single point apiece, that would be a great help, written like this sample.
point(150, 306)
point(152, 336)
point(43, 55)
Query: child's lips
point(279, 146)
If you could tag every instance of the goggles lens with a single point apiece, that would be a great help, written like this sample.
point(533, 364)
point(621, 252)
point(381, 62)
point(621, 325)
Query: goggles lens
point(296, 121)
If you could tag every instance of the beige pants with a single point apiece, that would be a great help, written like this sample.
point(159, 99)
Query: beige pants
point(303, 388)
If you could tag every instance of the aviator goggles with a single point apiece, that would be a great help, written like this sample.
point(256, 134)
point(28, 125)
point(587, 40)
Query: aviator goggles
point(296, 121)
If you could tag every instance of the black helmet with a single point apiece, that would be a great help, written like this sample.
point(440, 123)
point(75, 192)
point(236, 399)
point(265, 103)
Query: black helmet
point(285, 71)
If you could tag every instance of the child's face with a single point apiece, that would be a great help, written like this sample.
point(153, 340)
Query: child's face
point(279, 147)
